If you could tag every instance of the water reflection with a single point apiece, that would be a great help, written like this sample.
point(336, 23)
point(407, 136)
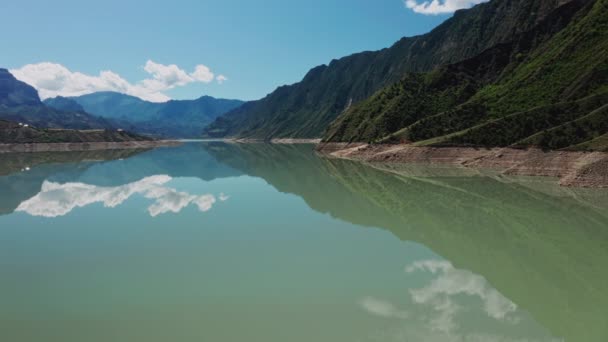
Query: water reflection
point(442, 292)
point(17, 186)
point(56, 199)
point(383, 308)
point(542, 246)
point(511, 257)
point(444, 307)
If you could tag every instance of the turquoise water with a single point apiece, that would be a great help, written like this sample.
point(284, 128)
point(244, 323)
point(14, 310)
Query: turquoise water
point(226, 242)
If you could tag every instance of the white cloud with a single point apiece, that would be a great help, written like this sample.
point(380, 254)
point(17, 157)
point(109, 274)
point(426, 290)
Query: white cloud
point(203, 74)
point(169, 76)
point(51, 79)
point(221, 79)
point(435, 7)
point(56, 199)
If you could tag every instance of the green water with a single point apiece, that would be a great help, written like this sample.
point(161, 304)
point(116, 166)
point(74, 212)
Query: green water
point(225, 242)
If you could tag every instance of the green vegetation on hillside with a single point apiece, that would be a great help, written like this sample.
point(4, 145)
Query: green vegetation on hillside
point(547, 87)
point(307, 108)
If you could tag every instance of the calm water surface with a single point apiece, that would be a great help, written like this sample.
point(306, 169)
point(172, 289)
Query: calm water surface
point(230, 243)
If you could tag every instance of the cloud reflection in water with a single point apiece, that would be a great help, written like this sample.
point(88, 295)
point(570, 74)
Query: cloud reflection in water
point(438, 309)
point(451, 282)
point(56, 199)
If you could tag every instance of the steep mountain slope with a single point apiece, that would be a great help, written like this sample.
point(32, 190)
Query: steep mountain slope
point(305, 109)
point(63, 103)
point(184, 119)
point(16, 93)
point(420, 95)
point(543, 78)
point(20, 102)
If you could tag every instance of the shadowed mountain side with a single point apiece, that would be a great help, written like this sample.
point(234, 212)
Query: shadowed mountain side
point(421, 95)
point(305, 109)
point(20, 102)
point(22, 174)
point(544, 252)
point(175, 118)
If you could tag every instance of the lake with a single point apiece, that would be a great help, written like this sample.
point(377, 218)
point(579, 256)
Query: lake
point(254, 242)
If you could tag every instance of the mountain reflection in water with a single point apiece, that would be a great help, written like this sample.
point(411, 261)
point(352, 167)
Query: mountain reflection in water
point(485, 257)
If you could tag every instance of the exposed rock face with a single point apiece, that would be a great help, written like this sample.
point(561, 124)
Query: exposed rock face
point(16, 93)
point(576, 169)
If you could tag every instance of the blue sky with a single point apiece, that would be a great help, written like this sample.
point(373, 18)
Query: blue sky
point(256, 45)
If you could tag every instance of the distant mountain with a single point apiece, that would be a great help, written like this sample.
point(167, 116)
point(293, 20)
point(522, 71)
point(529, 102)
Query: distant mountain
point(306, 109)
point(113, 105)
point(15, 93)
point(64, 103)
point(546, 87)
point(20, 102)
point(178, 119)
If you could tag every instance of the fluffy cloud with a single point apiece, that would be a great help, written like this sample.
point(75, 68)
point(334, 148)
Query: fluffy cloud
point(202, 74)
point(51, 79)
point(221, 79)
point(56, 199)
point(169, 76)
point(435, 7)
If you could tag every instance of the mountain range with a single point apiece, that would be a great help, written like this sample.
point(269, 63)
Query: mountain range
point(24, 119)
point(19, 102)
point(174, 119)
point(545, 87)
point(503, 73)
point(514, 73)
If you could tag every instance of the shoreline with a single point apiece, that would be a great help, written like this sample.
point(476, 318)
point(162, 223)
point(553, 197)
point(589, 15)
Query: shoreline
point(573, 169)
point(84, 146)
point(278, 141)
